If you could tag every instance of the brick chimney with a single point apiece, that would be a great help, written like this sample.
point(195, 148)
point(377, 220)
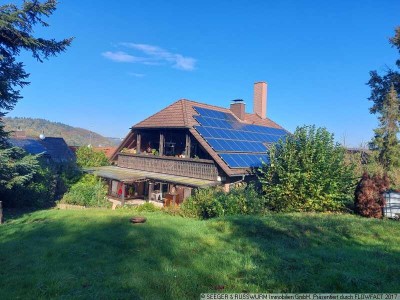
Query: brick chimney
point(260, 99)
point(238, 107)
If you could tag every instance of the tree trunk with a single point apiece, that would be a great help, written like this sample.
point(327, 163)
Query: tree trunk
point(1, 212)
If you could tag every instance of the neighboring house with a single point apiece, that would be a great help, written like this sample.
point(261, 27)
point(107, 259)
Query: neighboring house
point(189, 145)
point(54, 149)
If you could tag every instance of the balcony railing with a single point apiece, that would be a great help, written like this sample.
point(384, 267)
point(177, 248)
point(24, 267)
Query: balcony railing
point(189, 167)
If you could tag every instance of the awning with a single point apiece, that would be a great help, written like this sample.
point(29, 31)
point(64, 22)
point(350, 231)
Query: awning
point(115, 173)
point(131, 175)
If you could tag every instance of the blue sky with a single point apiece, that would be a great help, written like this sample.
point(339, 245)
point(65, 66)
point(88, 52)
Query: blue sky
point(130, 59)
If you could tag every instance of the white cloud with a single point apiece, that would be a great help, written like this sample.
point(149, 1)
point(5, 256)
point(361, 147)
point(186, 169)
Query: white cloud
point(154, 55)
point(120, 56)
point(184, 63)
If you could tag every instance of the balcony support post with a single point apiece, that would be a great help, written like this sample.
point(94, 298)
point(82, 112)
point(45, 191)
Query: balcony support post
point(138, 142)
point(188, 146)
point(161, 147)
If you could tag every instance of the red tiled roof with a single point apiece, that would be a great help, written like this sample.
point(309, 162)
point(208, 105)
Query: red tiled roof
point(180, 114)
point(108, 151)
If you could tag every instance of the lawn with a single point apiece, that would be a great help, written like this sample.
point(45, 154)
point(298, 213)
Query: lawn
point(97, 253)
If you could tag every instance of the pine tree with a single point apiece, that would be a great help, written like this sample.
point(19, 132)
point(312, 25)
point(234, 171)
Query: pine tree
point(16, 34)
point(380, 84)
point(385, 140)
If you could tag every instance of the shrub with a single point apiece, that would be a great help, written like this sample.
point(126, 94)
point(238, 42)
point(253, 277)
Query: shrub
point(87, 191)
point(369, 199)
point(203, 204)
point(212, 202)
point(307, 172)
point(242, 200)
point(147, 207)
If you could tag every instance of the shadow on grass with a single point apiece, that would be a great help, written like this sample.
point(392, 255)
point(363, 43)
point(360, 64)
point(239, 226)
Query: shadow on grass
point(16, 213)
point(318, 254)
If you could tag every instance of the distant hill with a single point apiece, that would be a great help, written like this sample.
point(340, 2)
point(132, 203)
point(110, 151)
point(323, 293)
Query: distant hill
point(74, 136)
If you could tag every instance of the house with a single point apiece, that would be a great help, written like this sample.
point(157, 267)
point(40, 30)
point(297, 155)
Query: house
point(53, 149)
point(191, 145)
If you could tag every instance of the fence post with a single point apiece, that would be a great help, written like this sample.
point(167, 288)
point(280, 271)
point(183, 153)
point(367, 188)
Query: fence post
point(1, 212)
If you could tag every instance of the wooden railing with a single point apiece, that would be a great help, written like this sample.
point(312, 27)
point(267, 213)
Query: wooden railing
point(189, 167)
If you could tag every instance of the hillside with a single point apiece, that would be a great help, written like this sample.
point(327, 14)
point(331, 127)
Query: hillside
point(74, 136)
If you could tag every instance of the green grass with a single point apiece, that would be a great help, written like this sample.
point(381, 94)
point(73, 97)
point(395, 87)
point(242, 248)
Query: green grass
point(99, 254)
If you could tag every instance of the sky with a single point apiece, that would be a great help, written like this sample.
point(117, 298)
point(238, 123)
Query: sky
point(130, 59)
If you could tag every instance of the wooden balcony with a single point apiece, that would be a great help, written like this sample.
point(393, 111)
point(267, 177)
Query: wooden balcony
point(189, 167)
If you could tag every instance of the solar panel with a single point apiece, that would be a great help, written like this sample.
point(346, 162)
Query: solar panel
point(246, 160)
point(239, 145)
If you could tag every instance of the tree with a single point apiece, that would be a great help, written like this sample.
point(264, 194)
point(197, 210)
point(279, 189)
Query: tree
point(307, 172)
point(16, 34)
point(381, 84)
point(87, 157)
point(24, 179)
point(385, 140)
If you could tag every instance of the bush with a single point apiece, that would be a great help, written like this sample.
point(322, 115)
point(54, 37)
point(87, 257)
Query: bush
point(87, 191)
point(307, 172)
point(147, 207)
point(202, 204)
point(369, 199)
point(212, 202)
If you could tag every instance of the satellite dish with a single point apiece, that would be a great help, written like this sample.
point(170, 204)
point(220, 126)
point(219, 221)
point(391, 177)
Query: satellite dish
point(41, 136)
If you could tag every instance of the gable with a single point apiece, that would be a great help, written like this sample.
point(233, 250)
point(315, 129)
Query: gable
point(171, 116)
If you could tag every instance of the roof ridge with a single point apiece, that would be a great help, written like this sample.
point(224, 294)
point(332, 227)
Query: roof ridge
point(202, 103)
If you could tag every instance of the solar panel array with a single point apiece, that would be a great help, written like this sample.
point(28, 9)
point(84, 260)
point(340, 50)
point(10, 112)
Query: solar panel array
point(239, 145)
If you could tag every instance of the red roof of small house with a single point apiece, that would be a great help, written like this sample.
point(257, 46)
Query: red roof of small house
point(108, 151)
